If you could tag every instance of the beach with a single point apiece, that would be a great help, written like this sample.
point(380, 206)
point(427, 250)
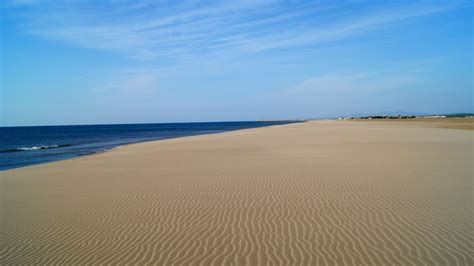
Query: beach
point(313, 193)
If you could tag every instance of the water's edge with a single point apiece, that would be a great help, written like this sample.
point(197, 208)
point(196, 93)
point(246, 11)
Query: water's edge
point(119, 146)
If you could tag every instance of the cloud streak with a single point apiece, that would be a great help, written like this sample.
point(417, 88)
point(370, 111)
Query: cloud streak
point(159, 29)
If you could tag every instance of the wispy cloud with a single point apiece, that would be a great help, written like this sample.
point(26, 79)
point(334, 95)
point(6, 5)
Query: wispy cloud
point(129, 83)
point(404, 75)
point(352, 92)
point(163, 29)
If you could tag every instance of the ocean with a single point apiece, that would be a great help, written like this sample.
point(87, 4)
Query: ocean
point(23, 146)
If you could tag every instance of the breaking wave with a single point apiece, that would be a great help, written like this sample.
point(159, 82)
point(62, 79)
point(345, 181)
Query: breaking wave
point(34, 148)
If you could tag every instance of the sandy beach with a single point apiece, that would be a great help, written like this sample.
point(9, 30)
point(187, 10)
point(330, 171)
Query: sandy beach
point(314, 193)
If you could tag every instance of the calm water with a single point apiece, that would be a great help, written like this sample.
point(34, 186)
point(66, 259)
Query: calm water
point(22, 146)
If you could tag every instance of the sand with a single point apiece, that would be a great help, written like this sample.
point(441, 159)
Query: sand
point(454, 123)
point(315, 193)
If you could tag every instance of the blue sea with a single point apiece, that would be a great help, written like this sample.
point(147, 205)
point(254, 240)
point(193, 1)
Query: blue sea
point(23, 146)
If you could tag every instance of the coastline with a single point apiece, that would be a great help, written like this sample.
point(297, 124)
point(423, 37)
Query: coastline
point(319, 192)
point(132, 142)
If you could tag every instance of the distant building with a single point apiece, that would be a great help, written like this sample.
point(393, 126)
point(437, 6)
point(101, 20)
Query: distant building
point(435, 116)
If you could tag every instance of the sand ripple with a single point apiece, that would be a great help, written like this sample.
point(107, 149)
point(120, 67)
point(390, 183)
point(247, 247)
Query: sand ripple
point(323, 193)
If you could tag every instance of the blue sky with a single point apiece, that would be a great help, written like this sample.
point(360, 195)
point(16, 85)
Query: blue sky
point(92, 62)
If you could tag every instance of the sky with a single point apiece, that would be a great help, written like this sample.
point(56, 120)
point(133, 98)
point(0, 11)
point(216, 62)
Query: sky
point(124, 61)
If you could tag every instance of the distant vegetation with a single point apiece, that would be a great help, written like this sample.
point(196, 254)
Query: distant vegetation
point(385, 117)
point(461, 115)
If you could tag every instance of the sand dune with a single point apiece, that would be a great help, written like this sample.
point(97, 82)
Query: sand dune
point(315, 193)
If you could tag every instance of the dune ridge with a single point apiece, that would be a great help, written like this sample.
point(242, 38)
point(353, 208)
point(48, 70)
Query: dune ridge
point(315, 193)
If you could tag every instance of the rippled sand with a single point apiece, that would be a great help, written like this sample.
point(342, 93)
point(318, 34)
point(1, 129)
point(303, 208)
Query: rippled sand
point(316, 193)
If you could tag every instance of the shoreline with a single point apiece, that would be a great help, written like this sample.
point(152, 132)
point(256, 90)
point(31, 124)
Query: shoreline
point(468, 124)
point(441, 123)
point(151, 140)
point(319, 192)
